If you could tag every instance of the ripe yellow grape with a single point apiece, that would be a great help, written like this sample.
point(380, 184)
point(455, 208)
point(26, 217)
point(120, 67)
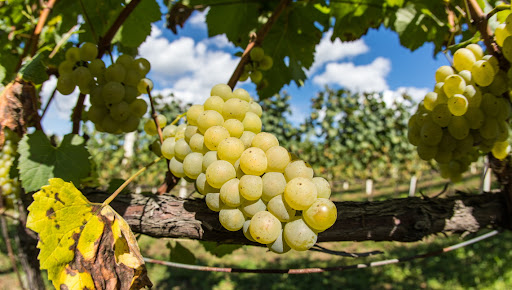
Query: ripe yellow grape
point(230, 194)
point(223, 91)
point(230, 149)
point(265, 227)
point(458, 105)
point(250, 187)
point(278, 158)
point(231, 219)
point(253, 161)
point(280, 208)
point(251, 207)
point(274, 184)
point(207, 119)
point(323, 187)
point(252, 122)
point(298, 235)
point(321, 215)
point(214, 135)
point(193, 114)
point(235, 127)
point(215, 103)
point(218, 172)
point(463, 59)
point(247, 137)
point(300, 193)
point(298, 168)
point(213, 201)
point(264, 141)
point(235, 109)
point(442, 72)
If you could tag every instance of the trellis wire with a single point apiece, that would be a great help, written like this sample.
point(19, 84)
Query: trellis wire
point(326, 269)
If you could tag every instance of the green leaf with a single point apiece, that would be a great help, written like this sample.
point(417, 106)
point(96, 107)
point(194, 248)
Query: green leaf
point(180, 254)
point(40, 161)
point(137, 26)
point(293, 37)
point(235, 20)
point(219, 250)
point(34, 70)
point(81, 243)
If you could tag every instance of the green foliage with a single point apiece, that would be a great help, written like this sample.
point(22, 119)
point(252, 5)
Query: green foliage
point(219, 250)
point(35, 69)
point(357, 135)
point(40, 160)
point(138, 25)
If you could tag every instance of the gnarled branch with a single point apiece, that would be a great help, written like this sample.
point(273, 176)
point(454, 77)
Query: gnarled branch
point(404, 220)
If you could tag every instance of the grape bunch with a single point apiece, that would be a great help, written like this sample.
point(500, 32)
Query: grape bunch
point(10, 187)
point(114, 90)
point(466, 115)
point(256, 185)
point(258, 62)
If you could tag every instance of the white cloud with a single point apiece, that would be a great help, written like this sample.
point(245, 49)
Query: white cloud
point(298, 116)
point(363, 78)
point(416, 94)
point(328, 51)
point(198, 19)
point(187, 68)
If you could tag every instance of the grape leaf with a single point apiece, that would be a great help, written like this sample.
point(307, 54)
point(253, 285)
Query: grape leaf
point(293, 38)
point(34, 70)
point(82, 244)
point(138, 25)
point(40, 160)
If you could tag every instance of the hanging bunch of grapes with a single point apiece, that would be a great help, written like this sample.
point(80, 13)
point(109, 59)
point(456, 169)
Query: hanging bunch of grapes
point(114, 91)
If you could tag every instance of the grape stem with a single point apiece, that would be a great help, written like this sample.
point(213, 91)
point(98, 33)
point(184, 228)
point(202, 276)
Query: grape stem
point(154, 116)
point(480, 21)
point(128, 181)
point(34, 39)
point(256, 41)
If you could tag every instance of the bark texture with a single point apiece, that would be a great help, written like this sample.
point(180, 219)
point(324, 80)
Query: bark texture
point(404, 220)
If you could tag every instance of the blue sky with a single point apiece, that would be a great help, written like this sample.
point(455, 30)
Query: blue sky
point(189, 64)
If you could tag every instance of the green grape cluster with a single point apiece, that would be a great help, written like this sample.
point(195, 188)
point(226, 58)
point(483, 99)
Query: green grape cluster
point(255, 184)
point(114, 90)
point(466, 115)
point(10, 187)
point(253, 69)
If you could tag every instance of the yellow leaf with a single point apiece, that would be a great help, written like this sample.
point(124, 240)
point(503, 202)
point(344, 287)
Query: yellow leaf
point(84, 246)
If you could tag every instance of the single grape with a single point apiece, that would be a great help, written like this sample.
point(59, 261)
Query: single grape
point(97, 113)
point(167, 147)
point(235, 109)
point(490, 128)
point(250, 187)
point(181, 149)
point(252, 207)
point(278, 158)
point(235, 127)
point(230, 149)
point(232, 219)
point(214, 135)
point(300, 193)
point(298, 235)
point(279, 246)
point(458, 105)
point(430, 101)
point(442, 72)
point(230, 194)
point(193, 114)
point(252, 123)
point(112, 92)
point(215, 103)
point(256, 76)
point(458, 127)
point(66, 67)
point(441, 115)
point(88, 51)
point(265, 227)
point(454, 84)
point(274, 184)
point(245, 230)
point(266, 63)
point(120, 111)
point(189, 132)
point(247, 137)
point(73, 54)
point(142, 65)
point(264, 141)
point(321, 215)
point(426, 152)
point(65, 84)
point(193, 164)
point(213, 201)
point(257, 53)
point(208, 119)
point(169, 131)
point(115, 73)
point(253, 161)
point(255, 108)
point(208, 158)
point(197, 144)
point(139, 108)
point(218, 172)
point(280, 208)
point(223, 91)
point(145, 85)
point(298, 168)
point(483, 73)
point(463, 59)
point(500, 150)
point(242, 95)
point(323, 187)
